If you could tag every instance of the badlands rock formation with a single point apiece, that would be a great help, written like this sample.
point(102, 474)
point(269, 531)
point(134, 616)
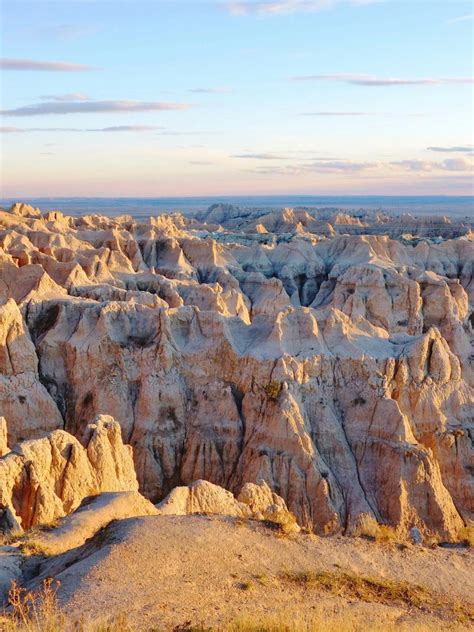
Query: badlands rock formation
point(255, 501)
point(328, 354)
point(42, 480)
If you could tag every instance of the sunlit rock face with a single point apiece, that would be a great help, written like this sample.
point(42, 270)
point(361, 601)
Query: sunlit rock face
point(44, 479)
point(325, 353)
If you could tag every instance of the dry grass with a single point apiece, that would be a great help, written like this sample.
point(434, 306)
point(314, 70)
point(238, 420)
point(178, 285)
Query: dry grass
point(272, 389)
point(466, 535)
point(368, 527)
point(39, 611)
point(283, 522)
point(33, 611)
point(325, 622)
point(384, 591)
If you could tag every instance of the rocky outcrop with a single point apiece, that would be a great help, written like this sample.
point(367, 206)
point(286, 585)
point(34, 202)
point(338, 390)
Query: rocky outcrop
point(42, 480)
point(336, 365)
point(94, 513)
point(255, 501)
point(202, 497)
point(24, 400)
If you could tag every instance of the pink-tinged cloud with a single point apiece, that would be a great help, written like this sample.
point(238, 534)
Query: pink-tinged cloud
point(73, 96)
point(340, 114)
point(8, 63)
point(92, 107)
point(115, 128)
point(279, 7)
point(210, 90)
point(450, 164)
point(263, 156)
point(377, 82)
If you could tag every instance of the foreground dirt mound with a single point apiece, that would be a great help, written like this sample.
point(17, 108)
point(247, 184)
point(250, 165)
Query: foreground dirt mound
point(168, 571)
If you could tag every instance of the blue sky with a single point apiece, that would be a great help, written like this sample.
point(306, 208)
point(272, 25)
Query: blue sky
point(187, 98)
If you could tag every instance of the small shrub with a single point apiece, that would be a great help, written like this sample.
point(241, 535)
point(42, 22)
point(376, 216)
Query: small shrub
point(37, 611)
point(466, 535)
point(246, 585)
point(368, 527)
point(273, 389)
point(386, 534)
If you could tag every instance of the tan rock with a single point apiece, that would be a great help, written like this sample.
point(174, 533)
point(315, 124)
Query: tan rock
point(202, 497)
point(4, 449)
point(93, 514)
point(329, 356)
point(44, 479)
point(255, 501)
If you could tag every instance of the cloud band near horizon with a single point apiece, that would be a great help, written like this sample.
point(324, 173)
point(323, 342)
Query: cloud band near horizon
point(373, 81)
point(91, 107)
point(9, 63)
point(114, 128)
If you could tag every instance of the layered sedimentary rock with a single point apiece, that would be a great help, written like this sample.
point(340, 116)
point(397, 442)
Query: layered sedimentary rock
point(44, 479)
point(243, 345)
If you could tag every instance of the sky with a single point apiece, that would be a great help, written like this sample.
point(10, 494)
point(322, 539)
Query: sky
point(153, 98)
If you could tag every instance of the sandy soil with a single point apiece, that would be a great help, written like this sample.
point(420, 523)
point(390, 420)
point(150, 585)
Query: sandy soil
point(169, 571)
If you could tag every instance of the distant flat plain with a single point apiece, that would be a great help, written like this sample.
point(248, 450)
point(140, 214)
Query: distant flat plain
point(140, 207)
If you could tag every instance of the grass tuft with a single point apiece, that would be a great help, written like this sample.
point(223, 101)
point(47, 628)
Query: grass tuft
point(368, 527)
point(466, 535)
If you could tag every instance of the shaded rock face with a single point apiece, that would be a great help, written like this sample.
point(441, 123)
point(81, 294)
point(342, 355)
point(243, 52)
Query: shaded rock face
point(44, 479)
point(336, 368)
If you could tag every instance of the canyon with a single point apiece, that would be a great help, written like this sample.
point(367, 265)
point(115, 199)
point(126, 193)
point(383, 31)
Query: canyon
point(325, 355)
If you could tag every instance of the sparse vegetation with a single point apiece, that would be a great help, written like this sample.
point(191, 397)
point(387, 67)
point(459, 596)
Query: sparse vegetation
point(284, 522)
point(378, 590)
point(273, 389)
point(466, 535)
point(39, 611)
point(33, 611)
point(246, 585)
point(368, 527)
point(321, 622)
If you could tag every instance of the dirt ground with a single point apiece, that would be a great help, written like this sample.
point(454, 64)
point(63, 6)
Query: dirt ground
point(168, 572)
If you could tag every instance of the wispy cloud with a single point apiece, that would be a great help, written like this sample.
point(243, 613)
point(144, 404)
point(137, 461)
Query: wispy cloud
point(7, 63)
point(450, 164)
point(222, 90)
point(70, 31)
point(340, 114)
point(341, 166)
point(462, 18)
point(372, 169)
point(115, 128)
point(126, 128)
point(278, 7)
point(200, 162)
point(373, 81)
point(184, 133)
point(328, 166)
point(73, 96)
point(336, 114)
point(90, 107)
point(456, 148)
point(262, 156)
